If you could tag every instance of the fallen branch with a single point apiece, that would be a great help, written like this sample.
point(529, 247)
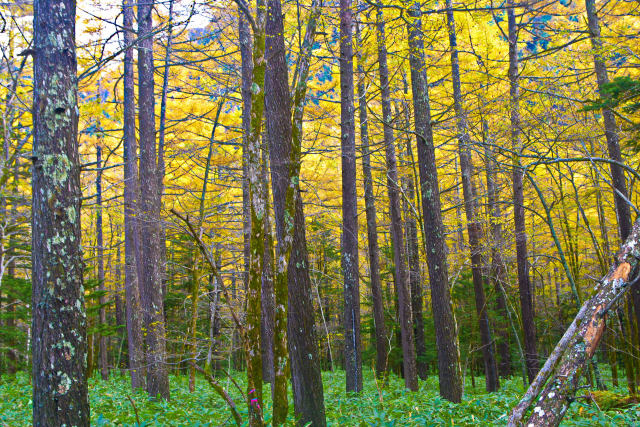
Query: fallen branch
point(221, 391)
point(564, 367)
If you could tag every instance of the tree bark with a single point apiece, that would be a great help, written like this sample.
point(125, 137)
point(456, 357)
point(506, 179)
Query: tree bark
point(104, 362)
point(267, 323)
point(577, 347)
point(131, 196)
point(352, 352)
point(399, 258)
point(58, 311)
point(524, 286)
point(150, 198)
point(444, 319)
point(474, 229)
point(292, 267)
point(382, 345)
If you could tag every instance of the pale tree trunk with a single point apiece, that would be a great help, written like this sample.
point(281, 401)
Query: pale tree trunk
point(104, 363)
point(449, 372)
point(555, 386)
point(131, 196)
point(382, 345)
point(257, 212)
point(621, 194)
point(150, 200)
point(401, 276)
point(474, 229)
point(352, 353)
point(524, 286)
point(58, 311)
point(294, 321)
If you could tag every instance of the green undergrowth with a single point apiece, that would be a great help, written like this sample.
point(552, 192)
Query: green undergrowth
point(111, 404)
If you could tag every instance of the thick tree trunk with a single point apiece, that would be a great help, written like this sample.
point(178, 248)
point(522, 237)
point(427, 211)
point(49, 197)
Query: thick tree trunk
point(257, 212)
point(382, 345)
point(474, 229)
point(267, 295)
point(292, 267)
point(58, 312)
point(150, 198)
point(524, 286)
point(402, 278)
point(131, 196)
point(563, 371)
point(104, 362)
point(444, 320)
point(353, 356)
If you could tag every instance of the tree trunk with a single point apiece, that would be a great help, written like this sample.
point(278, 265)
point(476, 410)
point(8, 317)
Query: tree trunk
point(524, 286)
point(444, 320)
point(293, 261)
point(474, 229)
point(267, 323)
point(104, 363)
point(353, 356)
point(382, 345)
point(131, 195)
point(404, 296)
point(150, 198)
point(497, 273)
point(58, 312)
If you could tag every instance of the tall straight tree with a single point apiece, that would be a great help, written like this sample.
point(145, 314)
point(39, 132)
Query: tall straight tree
point(399, 260)
point(58, 312)
point(150, 201)
point(351, 318)
point(444, 320)
point(524, 285)
point(382, 344)
point(474, 229)
point(135, 339)
point(292, 266)
point(104, 363)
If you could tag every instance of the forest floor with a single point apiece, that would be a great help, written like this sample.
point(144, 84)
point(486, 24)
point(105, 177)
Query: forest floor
point(392, 406)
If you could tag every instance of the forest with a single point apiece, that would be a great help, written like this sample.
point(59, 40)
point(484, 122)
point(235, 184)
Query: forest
point(314, 212)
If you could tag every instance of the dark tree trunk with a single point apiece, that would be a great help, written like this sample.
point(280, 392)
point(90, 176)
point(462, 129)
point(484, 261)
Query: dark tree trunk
point(444, 320)
point(402, 282)
point(306, 377)
point(524, 286)
point(150, 198)
point(474, 228)
point(104, 362)
point(58, 312)
point(353, 356)
point(382, 345)
point(131, 196)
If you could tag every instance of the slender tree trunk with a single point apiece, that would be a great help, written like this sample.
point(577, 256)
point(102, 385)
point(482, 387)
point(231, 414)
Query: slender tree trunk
point(402, 278)
point(131, 196)
point(474, 229)
point(413, 258)
point(292, 265)
point(444, 320)
point(382, 344)
point(58, 311)
point(524, 286)
point(353, 356)
point(150, 198)
point(497, 272)
point(104, 362)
